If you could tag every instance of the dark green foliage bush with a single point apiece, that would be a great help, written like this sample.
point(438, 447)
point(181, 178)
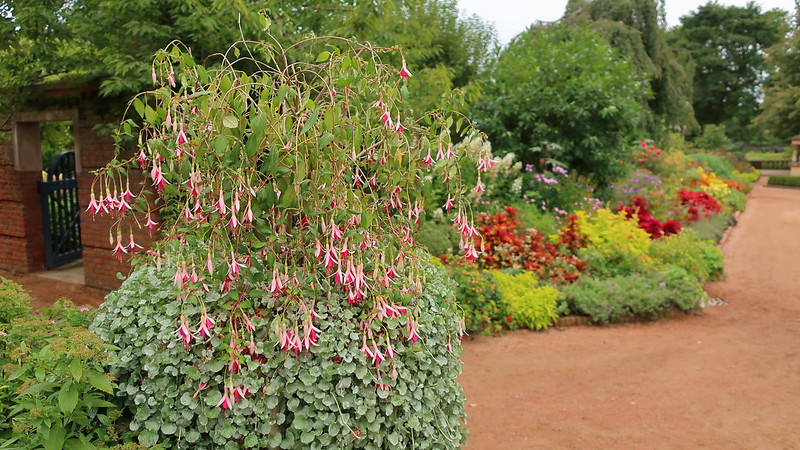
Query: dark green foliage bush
point(614, 262)
point(328, 398)
point(702, 259)
point(440, 239)
point(640, 295)
point(784, 180)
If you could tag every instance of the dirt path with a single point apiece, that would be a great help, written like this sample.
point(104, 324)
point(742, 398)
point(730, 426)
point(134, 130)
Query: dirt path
point(728, 378)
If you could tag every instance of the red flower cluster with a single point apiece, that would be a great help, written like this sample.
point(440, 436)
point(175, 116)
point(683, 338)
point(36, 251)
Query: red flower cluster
point(506, 245)
point(654, 227)
point(647, 153)
point(698, 203)
point(734, 185)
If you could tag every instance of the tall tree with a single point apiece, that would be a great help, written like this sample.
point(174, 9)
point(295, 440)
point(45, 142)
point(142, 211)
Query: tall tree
point(779, 116)
point(728, 46)
point(636, 29)
point(562, 84)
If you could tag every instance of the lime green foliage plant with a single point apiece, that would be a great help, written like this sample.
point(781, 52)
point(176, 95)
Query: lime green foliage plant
point(531, 306)
point(608, 232)
point(701, 259)
point(638, 295)
point(298, 188)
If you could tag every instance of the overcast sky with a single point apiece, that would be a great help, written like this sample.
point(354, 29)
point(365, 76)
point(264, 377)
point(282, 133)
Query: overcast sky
point(512, 16)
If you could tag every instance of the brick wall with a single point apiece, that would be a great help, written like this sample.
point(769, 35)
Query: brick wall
point(21, 235)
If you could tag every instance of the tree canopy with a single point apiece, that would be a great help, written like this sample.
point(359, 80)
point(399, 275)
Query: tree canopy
point(728, 46)
point(635, 28)
point(562, 84)
point(112, 43)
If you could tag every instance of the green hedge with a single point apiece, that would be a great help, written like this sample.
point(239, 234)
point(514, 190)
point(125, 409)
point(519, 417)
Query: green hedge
point(784, 180)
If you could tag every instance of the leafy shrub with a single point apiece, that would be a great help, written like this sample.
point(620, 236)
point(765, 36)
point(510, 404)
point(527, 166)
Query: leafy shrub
point(614, 262)
point(641, 295)
point(610, 232)
point(784, 180)
point(477, 296)
point(326, 397)
point(713, 228)
point(440, 239)
point(54, 390)
point(531, 306)
point(713, 138)
point(587, 103)
point(701, 259)
point(14, 301)
point(713, 163)
point(748, 177)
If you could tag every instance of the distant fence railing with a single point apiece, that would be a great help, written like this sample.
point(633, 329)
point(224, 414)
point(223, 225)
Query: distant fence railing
point(771, 164)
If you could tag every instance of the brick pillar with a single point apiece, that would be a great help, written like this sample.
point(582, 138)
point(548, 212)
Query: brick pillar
point(21, 233)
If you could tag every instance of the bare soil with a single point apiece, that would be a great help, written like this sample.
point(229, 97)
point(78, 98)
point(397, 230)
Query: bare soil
point(726, 378)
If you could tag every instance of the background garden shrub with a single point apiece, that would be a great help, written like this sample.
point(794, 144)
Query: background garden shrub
point(531, 306)
point(639, 295)
point(784, 180)
point(320, 399)
point(702, 259)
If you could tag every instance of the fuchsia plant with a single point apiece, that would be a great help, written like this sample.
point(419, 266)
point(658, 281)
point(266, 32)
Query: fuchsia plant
point(293, 185)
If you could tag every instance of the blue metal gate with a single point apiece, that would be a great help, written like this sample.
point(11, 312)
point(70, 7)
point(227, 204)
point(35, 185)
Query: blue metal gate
point(60, 212)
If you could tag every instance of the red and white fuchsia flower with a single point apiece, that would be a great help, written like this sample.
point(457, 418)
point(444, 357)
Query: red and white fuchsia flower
point(404, 73)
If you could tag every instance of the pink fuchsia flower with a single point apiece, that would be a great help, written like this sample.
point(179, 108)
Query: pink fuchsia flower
point(377, 357)
point(389, 349)
point(181, 139)
point(470, 253)
point(234, 366)
point(335, 231)
point(276, 285)
point(399, 128)
point(119, 249)
point(404, 73)
point(158, 178)
point(367, 350)
point(142, 158)
point(171, 78)
point(93, 207)
point(449, 203)
point(248, 215)
point(479, 186)
point(240, 392)
point(485, 163)
point(185, 333)
point(440, 154)
point(220, 205)
point(84, 309)
point(150, 224)
point(387, 120)
point(153, 76)
point(133, 245)
point(205, 326)
point(427, 159)
point(127, 195)
point(225, 402)
point(330, 259)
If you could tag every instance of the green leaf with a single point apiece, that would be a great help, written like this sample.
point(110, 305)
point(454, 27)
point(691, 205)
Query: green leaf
point(55, 439)
point(230, 122)
point(101, 382)
point(138, 106)
point(324, 56)
point(68, 399)
point(76, 369)
point(310, 122)
point(325, 140)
